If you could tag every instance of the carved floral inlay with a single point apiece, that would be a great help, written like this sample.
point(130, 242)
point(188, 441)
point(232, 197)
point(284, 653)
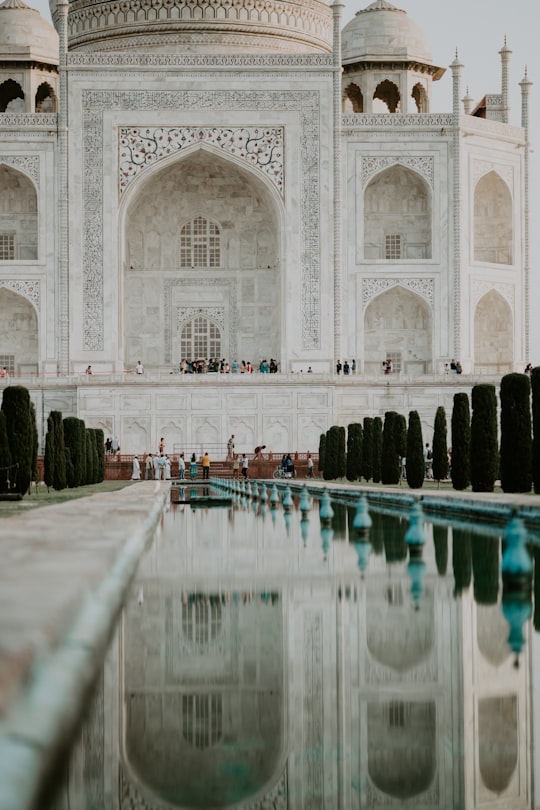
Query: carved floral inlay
point(26, 163)
point(421, 164)
point(139, 147)
point(371, 287)
point(29, 289)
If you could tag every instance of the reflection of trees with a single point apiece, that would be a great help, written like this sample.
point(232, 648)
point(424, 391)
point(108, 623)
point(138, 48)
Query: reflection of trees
point(461, 559)
point(377, 532)
point(339, 521)
point(440, 541)
point(395, 546)
point(536, 585)
point(485, 565)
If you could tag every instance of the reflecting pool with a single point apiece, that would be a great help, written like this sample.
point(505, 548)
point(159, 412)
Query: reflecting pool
point(266, 659)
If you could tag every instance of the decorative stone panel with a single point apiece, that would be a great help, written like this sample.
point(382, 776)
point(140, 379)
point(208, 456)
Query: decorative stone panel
point(28, 289)
point(371, 287)
point(372, 165)
point(24, 163)
point(140, 147)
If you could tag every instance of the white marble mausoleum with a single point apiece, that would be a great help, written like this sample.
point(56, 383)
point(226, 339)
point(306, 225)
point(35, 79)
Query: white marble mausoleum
point(249, 179)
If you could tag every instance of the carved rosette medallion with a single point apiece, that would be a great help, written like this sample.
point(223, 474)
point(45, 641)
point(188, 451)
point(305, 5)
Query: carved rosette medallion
point(372, 165)
point(24, 163)
point(479, 288)
point(28, 289)
point(97, 102)
point(140, 147)
point(372, 287)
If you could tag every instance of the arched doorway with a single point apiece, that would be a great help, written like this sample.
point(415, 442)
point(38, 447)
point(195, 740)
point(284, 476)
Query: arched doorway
point(397, 216)
point(397, 324)
point(18, 333)
point(493, 221)
point(202, 264)
point(493, 335)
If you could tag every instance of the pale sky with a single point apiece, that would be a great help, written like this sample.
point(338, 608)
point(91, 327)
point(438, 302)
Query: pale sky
point(477, 29)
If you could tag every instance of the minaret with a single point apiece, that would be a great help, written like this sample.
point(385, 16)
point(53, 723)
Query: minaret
point(505, 54)
point(467, 102)
point(337, 10)
point(525, 85)
point(457, 68)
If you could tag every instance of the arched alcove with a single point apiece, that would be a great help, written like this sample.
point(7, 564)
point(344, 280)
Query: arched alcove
point(201, 241)
point(45, 100)
point(398, 324)
point(397, 216)
point(18, 216)
point(18, 333)
point(493, 335)
point(420, 97)
point(11, 96)
point(203, 695)
point(492, 634)
point(388, 93)
point(402, 746)
point(353, 100)
point(497, 741)
point(493, 231)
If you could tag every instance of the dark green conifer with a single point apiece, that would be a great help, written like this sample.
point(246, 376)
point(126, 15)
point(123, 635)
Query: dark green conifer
point(461, 442)
point(16, 407)
point(391, 464)
point(484, 452)
point(535, 385)
point(440, 446)
point(5, 455)
point(377, 449)
point(415, 465)
point(322, 451)
point(354, 451)
point(516, 437)
point(367, 449)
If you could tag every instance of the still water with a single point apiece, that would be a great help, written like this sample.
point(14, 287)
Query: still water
point(267, 661)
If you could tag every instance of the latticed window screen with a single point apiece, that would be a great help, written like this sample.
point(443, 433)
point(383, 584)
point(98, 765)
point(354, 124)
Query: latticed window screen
point(200, 244)
point(200, 338)
point(8, 360)
point(202, 724)
point(201, 620)
point(7, 246)
point(398, 714)
point(395, 357)
point(392, 246)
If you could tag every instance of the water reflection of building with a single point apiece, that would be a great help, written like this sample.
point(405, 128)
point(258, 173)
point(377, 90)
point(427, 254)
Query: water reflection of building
point(248, 673)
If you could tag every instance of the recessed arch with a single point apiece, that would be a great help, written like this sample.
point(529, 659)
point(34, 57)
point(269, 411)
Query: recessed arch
point(243, 278)
point(398, 323)
point(11, 96)
point(493, 220)
point(45, 100)
point(493, 334)
point(420, 97)
point(397, 216)
point(388, 93)
point(19, 336)
point(18, 216)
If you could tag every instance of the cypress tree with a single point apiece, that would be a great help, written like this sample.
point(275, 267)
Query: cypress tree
point(390, 465)
point(322, 450)
point(367, 447)
point(59, 469)
point(73, 442)
point(89, 439)
point(331, 462)
point(354, 450)
point(5, 455)
point(83, 460)
point(48, 460)
point(461, 442)
point(16, 407)
point(516, 439)
point(35, 442)
point(342, 455)
point(100, 449)
point(401, 440)
point(440, 446)
point(484, 453)
point(535, 385)
point(95, 455)
point(377, 449)
point(415, 452)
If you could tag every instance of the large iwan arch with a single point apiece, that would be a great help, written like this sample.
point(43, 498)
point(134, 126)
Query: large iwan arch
point(398, 324)
point(18, 216)
point(19, 338)
point(237, 287)
point(493, 335)
point(397, 216)
point(493, 231)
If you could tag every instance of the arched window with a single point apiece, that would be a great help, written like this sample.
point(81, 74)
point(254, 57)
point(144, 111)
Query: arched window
point(202, 720)
point(388, 93)
point(200, 338)
point(10, 91)
point(201, 618)
point(492, 220)
point(45, 98)
point(353, 101)
point(420, 98)
point(200, 244)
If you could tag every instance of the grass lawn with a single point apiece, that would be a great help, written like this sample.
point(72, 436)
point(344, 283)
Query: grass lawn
point(41, 497)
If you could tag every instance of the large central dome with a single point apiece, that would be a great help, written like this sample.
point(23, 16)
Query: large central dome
point(179, 26)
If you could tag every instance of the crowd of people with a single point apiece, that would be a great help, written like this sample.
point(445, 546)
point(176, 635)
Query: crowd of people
point(215, 365)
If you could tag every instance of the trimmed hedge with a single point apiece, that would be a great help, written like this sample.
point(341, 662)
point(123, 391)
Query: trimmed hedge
point(440, 446)
point(516, 438)
point(391, 465)
point(415, 466)
point(461, 442)
point(354, 451)
point(484, 452)
point(367, 449)
point(377, 449)
point(20, 436)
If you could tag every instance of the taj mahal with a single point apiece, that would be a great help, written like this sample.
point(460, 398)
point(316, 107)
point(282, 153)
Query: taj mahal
point(251, 179)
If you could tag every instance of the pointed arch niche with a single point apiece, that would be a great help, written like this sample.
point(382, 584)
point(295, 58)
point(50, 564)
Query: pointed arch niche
point(234, 273)
point(493, 216)
point(397, 216)
point(493, 335)
point(19, 338)
point(18, 216)
point(398, 324)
